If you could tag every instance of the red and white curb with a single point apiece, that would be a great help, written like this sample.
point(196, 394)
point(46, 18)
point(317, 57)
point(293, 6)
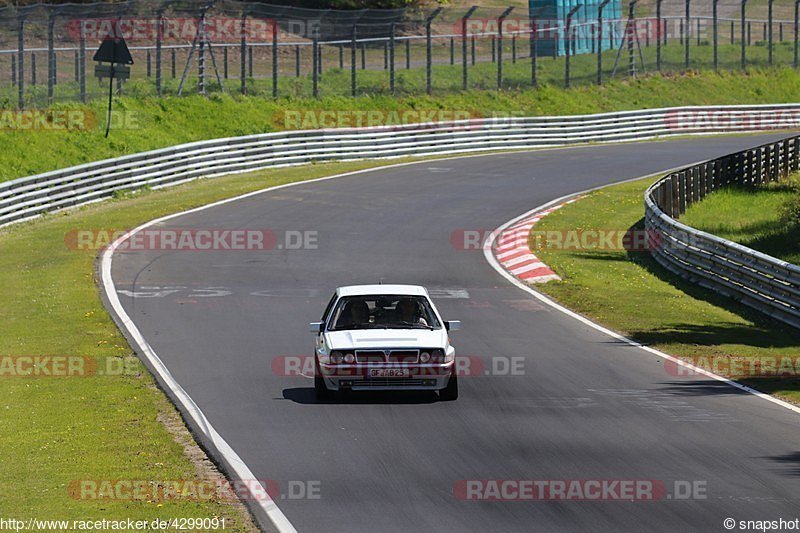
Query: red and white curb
point(514, 254)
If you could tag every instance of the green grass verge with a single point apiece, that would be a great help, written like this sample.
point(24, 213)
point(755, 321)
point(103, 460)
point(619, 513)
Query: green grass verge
point(165, 122)
point(630, 293)
point(56, 430)
point(751, 217)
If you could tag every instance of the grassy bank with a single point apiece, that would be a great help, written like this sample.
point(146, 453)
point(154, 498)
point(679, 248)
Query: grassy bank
point(630, 293)
point(57, 431)
point(754, 218)
point(155, 123)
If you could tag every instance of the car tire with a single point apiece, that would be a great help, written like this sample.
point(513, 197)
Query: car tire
point(320, 389)
point(450, 392)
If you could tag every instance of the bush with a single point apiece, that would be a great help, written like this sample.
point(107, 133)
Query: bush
point(790, 211)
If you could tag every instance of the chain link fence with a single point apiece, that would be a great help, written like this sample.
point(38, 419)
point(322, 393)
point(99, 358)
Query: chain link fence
point(187, 47)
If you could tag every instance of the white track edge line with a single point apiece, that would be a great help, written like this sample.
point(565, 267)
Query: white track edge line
point(489, 256)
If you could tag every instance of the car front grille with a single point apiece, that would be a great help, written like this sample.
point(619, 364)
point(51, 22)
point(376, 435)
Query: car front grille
point(381, 357)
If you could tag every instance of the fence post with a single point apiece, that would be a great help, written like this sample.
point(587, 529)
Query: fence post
point(353, 59)
point(715, 33)
point(500, 20)
point(250, 60)
point(159, 39)
point(149, 62)
point(363, 56)
point(472, 48)
point(315, 67)
point(224, 62)
point(408, 53)
point(174, 62)
point(464, 20)
point(201, 54)
point(631, 35)
point(733, 32)
point(534, 48)
point(568, 43)
point(297, 61)
point(744, 37)
point(33, 68)
point(428, 49)
point(274, 58)
point(687, 40)
point(341, 56)
point(698, 31)
point(392, 29)
point(769, 39)
point(385, 55)
point(658, 35)
point(21, 62)
point(600, 8)
point(243, 51)
point(14, 70)
point(452, 51)
point(796, 28)
point(51, 57)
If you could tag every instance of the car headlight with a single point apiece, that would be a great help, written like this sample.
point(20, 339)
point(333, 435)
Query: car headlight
point(437, 357)
point(349, 358)
point(424, 357)
point(336, 358)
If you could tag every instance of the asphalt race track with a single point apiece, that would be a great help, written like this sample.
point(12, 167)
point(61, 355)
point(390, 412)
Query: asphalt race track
point(585, 406)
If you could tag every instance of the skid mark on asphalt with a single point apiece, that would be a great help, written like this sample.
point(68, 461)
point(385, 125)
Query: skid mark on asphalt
point(665, 404)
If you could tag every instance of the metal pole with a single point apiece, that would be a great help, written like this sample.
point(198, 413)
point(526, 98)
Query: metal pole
point(392, 30)
point(243, 51)
point(568, 43)
point(534, 47)
point(500, 20)
point(159, 39)
point(315, 66)
point(600, 8)
point(353, 58)
point(744, 37)
point(464, 20)
point(428, 49)
point(631, 33)
point(297, 61)
point(408, 54)
point(687, 39)
point(274, 58)
point(20, 62)
point(769, 40)
point(201, 54)
point(51, 57)
point(225, 62)
point(796, 28)
point(658, 36)
point(715, 30)
point(82, 62)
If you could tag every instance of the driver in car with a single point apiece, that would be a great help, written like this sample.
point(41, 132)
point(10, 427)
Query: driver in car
point(407, 311)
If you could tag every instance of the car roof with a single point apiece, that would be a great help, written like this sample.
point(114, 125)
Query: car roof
point(362, 290)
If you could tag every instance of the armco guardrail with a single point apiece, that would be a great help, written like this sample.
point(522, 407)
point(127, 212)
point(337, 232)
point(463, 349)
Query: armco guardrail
point(755, 279)
point(32, 196)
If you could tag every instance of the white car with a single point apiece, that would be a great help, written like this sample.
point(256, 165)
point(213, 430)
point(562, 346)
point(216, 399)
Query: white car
point(384, 337)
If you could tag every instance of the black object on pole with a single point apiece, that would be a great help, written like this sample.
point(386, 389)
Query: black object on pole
point(428, 49)
point(568, 43)
point(113, 51)
point(600, 8)
point(315, 67)
point(464, 20)
point(500, 20)
point(715, 31)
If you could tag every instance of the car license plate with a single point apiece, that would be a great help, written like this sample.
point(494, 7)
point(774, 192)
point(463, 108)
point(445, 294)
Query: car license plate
point(389, 372)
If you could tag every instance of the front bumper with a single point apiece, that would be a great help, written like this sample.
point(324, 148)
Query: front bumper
point(358, 377)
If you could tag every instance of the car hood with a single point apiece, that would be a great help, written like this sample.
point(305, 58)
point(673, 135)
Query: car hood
point(386, 338)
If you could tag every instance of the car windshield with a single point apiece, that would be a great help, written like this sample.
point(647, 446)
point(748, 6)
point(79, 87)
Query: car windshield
point(383, 311)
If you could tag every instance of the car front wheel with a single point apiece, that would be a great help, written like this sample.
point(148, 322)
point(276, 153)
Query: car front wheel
point(450, 392)
point(320, 389)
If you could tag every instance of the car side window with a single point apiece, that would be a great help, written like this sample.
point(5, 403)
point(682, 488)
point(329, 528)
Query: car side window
point(328, 308)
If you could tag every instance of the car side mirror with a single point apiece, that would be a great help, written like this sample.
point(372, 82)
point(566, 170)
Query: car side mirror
point(452, 325)
point(315, 327)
